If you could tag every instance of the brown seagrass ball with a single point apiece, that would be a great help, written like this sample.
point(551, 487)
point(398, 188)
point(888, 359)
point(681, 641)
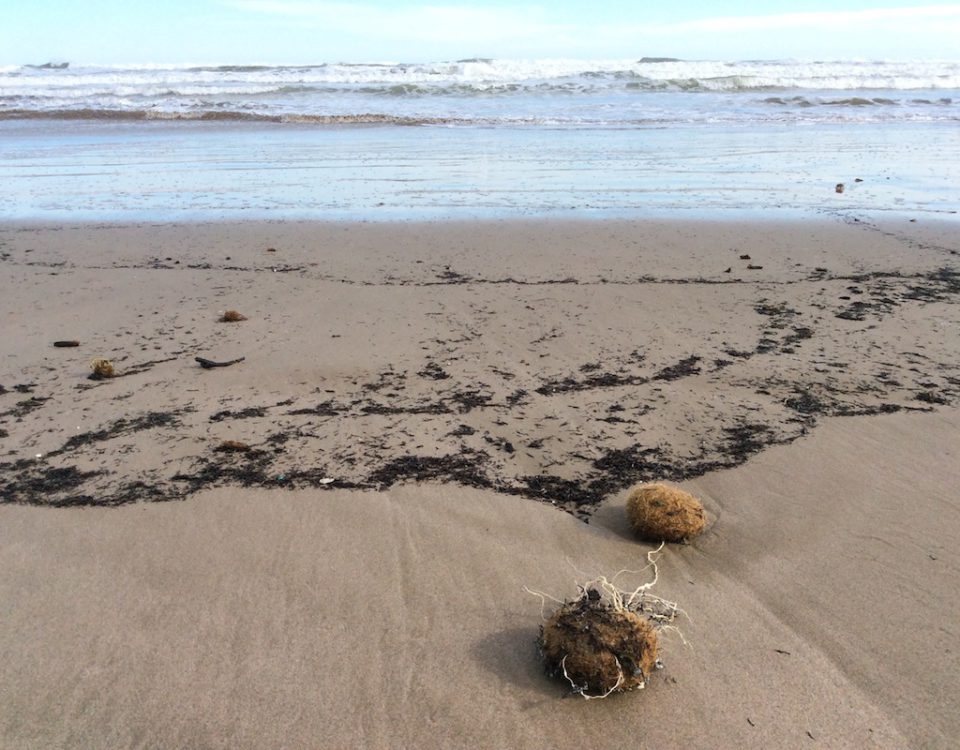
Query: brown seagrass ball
point(598, 649)
point(232, 316)
point(102, 369)
point(660, 513)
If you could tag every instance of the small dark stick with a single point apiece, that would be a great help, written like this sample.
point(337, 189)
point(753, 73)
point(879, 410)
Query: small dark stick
point(206, 364)
point(63, 344)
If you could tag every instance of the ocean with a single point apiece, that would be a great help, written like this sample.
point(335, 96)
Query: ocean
point(477, 137)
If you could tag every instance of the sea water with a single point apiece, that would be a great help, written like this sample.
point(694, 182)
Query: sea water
point(477, 137)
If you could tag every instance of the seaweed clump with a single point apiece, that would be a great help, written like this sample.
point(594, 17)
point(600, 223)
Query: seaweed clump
point(606, 640)
point(232, 316)
point(599, 649)
point(659, 512)
point(102, 369)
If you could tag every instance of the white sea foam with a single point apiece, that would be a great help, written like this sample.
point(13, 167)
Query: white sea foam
point(555, 91)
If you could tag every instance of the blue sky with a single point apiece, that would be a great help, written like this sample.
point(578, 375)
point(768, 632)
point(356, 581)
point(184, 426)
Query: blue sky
point(308, 31)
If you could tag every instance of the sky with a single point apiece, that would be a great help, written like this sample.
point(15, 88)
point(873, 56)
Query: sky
point(314, 31)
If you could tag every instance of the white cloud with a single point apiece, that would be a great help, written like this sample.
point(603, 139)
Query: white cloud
point(933, 15)
point(532, 30)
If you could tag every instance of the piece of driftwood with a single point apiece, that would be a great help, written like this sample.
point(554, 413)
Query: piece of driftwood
point(63, 344)
point(206, 364)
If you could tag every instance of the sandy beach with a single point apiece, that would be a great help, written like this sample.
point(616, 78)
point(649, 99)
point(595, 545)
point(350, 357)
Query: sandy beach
point(436, 415)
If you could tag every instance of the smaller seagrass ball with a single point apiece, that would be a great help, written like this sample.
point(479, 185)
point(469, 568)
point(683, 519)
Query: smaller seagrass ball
point(232, 316)
point(102, 369)
point(232, 446)
point(597, 648)
point(661, 513)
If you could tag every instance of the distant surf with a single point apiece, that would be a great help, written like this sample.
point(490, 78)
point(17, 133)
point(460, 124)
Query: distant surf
point(649, 90)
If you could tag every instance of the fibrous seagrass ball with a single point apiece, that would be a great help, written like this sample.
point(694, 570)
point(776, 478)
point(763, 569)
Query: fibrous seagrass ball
point(232, 316)
point(102, 368)
point(232, 446)
point(661, 513)
point(599, 649)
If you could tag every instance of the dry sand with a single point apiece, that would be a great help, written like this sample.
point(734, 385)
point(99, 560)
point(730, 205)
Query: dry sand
point(558, 361)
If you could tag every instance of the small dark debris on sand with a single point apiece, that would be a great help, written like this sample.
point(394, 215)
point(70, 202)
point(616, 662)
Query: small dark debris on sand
point(150, 420)
point(232, 316)
point(207, 364)
point(932, 397)
point(683, 368)
point(804, 403)
point(37, 481)
point(22, 408)
point(249, 412)
point(232, 446)
point(328, 408)
point(469, 399)
point(465, 467)
point(433, 371)
point(599, 380)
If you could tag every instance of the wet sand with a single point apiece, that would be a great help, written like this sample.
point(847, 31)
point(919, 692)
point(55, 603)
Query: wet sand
point(455, 381)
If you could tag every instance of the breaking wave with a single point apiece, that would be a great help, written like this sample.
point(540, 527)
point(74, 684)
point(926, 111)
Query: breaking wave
point(486, 90)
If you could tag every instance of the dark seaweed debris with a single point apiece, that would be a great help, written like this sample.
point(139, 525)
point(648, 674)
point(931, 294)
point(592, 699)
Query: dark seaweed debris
point(683, 368)
point(470, 399)
point(805, 403)
point(253, 411)
point(423, 408)
point(433, 371)
point(328, 408)
point(465, 467)
point(22, 408)
point(602, 380)
point(932, 397)
point(618, 469)
point(247, 469)
point(33, 483)
point(147, 421)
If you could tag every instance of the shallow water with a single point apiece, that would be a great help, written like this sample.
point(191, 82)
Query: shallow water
point(92, 170)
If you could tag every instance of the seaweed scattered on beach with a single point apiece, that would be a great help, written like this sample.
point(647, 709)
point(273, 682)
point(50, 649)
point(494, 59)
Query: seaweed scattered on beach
point(564, 424)
point(465, 468)
point(248, 413)
point(427, 407)
point(38, 483)
point(601, 380)
point(19, 388)
point(328, 408)
point(150, 420)
point(469, 399)
point(684, 368)
point(23, 408)
point(433, 371)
